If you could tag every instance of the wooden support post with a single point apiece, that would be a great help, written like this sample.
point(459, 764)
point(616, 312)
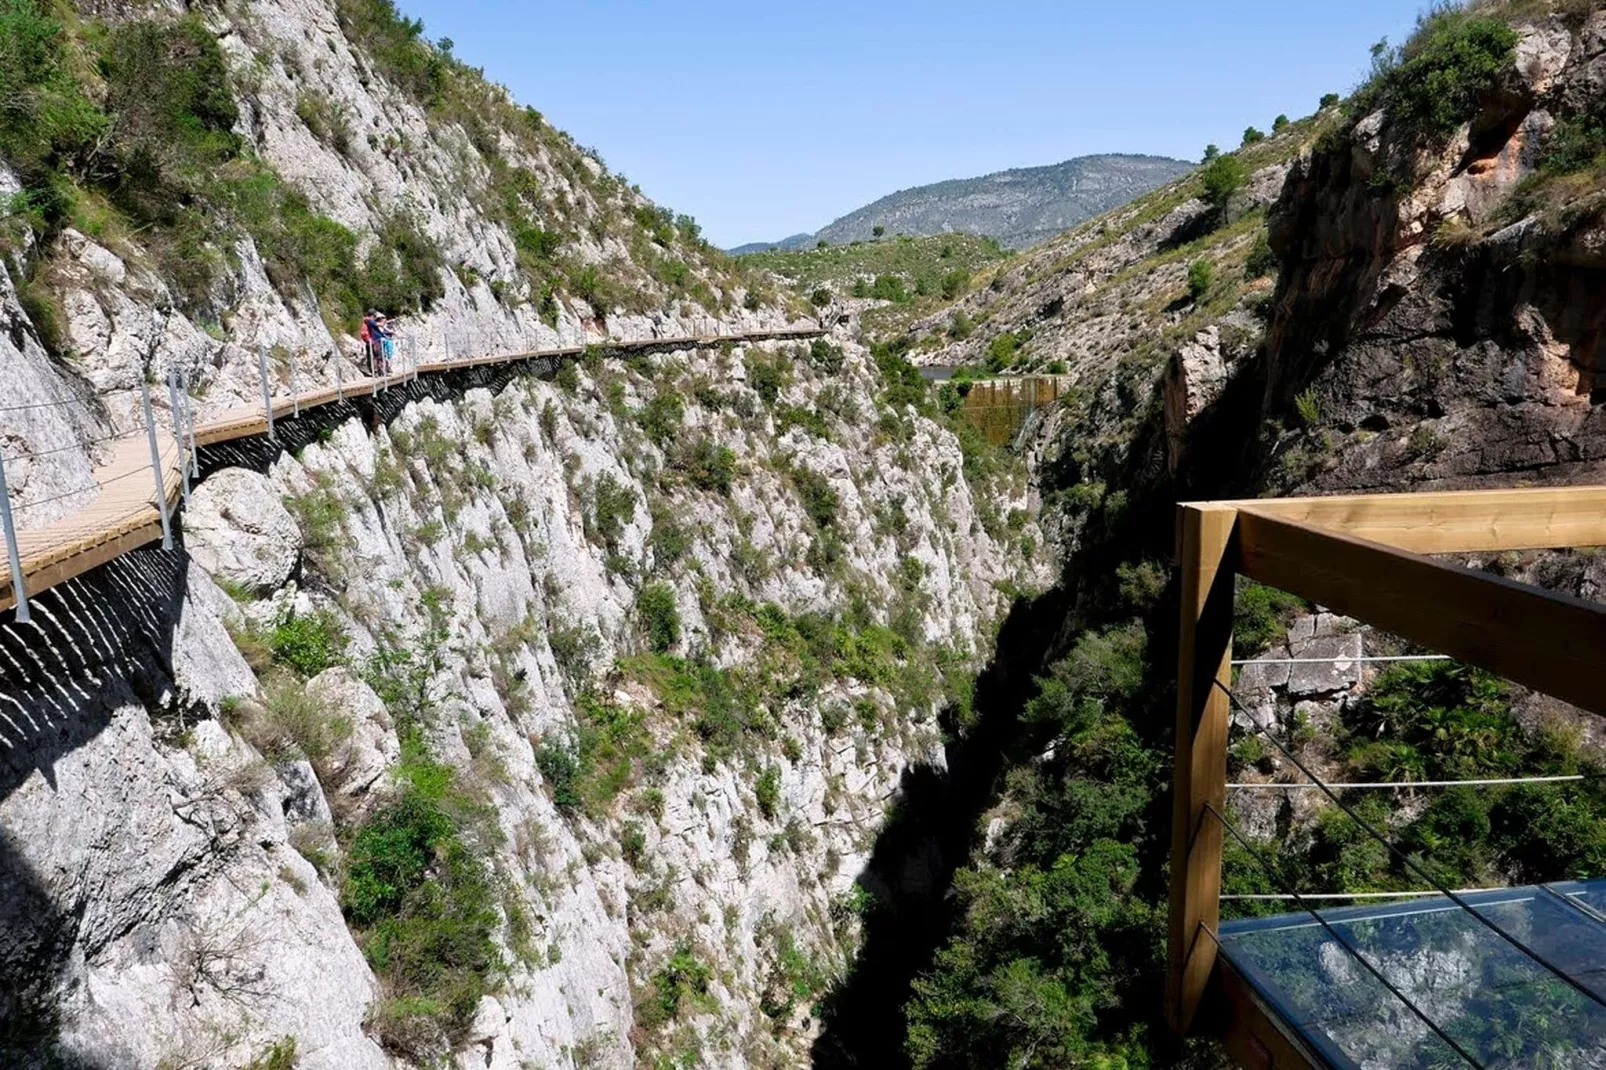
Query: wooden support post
point(1206, 555)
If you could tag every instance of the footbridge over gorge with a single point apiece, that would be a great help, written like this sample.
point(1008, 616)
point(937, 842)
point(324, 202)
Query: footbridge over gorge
point(134, 497)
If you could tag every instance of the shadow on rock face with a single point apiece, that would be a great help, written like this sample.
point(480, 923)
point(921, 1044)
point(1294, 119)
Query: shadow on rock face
point(95, 644)
point(35, 942)
point(931, 832)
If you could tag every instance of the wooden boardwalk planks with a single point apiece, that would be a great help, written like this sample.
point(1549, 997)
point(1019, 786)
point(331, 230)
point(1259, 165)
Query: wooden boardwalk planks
point(124, 514)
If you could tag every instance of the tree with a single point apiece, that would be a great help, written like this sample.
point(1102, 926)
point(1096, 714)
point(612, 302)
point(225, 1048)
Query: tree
point(1279, 124)
point(1201, 273)
point(822, 244)
point(1223, 178)
point(878, 230)
point(1211, 152)
point(1251, 135)
point(1329, 100)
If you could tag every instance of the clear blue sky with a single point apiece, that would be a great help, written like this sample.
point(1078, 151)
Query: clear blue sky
point(763, 119)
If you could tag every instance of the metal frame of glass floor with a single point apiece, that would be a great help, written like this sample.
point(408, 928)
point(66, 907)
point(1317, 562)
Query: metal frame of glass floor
point(1500, 1005)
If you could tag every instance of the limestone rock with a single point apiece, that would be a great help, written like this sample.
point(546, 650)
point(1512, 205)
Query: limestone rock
point(355, 769)
point(238, 529)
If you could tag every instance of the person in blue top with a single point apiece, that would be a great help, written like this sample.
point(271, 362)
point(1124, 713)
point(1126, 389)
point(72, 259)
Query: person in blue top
point(373, 338)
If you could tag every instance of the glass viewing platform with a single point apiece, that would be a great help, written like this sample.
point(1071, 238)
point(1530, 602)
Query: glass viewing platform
point(1501, 1006)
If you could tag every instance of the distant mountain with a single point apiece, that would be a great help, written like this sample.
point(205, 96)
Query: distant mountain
point(796, 241)
point(1020, 207)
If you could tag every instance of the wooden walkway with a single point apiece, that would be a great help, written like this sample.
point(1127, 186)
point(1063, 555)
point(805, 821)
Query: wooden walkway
point(124, 515)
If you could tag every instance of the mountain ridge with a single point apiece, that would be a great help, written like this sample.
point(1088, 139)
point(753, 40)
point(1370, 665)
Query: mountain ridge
point(1056, 197)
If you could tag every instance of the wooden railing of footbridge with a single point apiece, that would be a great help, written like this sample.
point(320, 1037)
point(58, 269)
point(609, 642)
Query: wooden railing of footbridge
point(127, 513)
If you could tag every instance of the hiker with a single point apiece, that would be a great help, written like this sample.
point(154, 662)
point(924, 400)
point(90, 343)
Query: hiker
point(387, 341)
point(371, 340)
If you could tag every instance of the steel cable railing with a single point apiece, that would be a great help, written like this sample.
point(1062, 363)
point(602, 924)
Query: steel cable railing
point(1404, 859)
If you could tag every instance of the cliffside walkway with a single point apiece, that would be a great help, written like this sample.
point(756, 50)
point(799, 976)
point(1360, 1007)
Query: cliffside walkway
point(127, 514)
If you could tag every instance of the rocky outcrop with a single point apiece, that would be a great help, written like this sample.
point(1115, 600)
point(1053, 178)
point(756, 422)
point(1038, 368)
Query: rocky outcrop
point(1446, 337)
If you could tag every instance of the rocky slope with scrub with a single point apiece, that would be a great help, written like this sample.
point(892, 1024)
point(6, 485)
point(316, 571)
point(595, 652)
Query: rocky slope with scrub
point(505, 721)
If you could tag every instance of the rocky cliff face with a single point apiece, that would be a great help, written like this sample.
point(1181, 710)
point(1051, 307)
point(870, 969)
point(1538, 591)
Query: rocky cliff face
point(1448, 330)
point(506, 722)
point(481, 562)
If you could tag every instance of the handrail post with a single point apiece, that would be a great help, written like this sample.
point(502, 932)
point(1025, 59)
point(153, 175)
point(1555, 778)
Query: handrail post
point(178, 436)
point(19, 590)
point(1207, 553)
point(267, 397)
point(189, 420)
point(156, 464)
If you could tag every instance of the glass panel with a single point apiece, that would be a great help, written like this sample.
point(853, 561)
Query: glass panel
point(1499, 1004)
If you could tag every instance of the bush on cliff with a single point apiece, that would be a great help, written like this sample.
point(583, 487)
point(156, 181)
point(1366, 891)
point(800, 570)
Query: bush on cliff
point(1434, 82)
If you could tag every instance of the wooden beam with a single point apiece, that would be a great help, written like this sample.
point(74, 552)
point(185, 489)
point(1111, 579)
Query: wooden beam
point(1251, 1033)
point(1200, 772)
point(1549, 642)
point(1535, 518)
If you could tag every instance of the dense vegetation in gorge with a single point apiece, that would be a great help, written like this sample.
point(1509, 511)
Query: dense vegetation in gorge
point(1052, 948)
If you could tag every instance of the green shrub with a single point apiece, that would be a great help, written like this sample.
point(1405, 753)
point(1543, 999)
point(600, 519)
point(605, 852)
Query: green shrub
point(658, 617)
point(767, 790)
point(1577, 143)
point(1435, 81)
point(1279, 124)
point(396, 45)
point(403, 272)
point(281, 1055)
point(1223, 178)
point(889, 288)
point(1261, 261)
point(820, 297)
point(1308, 408)
point(1329, 100)
point(709, 466)
point(613, 506)
point(661, 417)
point(767, 377)
point(1002, 350)
point(560, 767)
point(1260, 617)
point(420, 896)
point(878, 230)
point(820, 500)
point(308, 643)
point(46, 120)
point(291, 724)
point(683, 979)
point(1201, 274)
point(826, 357)
point(1251, 136)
